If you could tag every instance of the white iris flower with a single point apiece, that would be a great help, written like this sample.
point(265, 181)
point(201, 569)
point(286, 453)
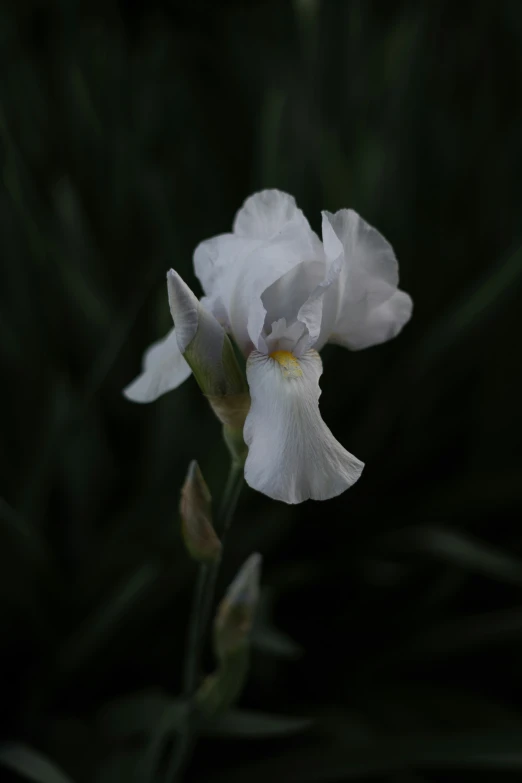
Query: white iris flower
point(282, 294)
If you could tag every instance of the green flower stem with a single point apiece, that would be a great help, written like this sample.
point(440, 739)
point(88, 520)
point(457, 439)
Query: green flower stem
point(199, 620)
point(221, 690)
point(195, 632)
point(225, 516)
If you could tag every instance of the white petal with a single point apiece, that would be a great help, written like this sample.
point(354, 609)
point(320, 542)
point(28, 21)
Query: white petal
point(264, 214)
point(300, 294)
point(382, 323)
point(317, 313)
point(283, 337)
point(213, 256)
point(292, 455)
point(365, 307)
point(215, 306)
point(288, 295)
point(271, 236)
point(242, 287)
point(364, 246)
point(164, 368)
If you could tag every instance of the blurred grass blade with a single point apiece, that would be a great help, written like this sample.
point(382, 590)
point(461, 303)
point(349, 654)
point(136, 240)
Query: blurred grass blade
point(342, 762)
point(271, 117)
point(268, 639)
point(89, 299)
point(457, 636)
point(502, 281)
point(108, 618)
point(119, 768)
point(274, 642)
point(151, 715)
point(26, 535)
point(171, 718)
point(153, 712)
point(134, 715)
point(247, 723)
point(30, 764)
point(459, 549)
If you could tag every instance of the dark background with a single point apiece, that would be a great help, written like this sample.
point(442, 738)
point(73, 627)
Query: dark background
point(131, 131)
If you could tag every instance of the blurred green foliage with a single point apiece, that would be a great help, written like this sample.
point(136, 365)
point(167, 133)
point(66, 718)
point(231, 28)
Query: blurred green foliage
point(130, 132)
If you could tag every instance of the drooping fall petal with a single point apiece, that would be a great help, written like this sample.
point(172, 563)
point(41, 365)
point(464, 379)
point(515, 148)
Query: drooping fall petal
point(292, 455)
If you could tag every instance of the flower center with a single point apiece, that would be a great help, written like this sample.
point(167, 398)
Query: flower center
point(288, 363)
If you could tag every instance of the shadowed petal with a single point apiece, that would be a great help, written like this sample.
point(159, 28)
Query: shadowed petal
point(368, 307)
point(164, 368)
point(382, 323)
point(271, 237)
point(243, 286)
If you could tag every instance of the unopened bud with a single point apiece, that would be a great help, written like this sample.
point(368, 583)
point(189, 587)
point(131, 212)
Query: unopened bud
point(232, 627)
point(236, 611)
point(211, 357)
point(196, 517)
point(205, 345)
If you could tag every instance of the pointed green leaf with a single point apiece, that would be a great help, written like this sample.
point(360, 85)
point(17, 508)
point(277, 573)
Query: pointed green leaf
point(274, 642)
point(343, 761)
point(459, 549)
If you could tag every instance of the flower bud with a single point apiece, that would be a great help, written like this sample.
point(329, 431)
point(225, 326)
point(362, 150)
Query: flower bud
point(209, 352)
point(196, 517)
point(236, 611)
point(231, 641)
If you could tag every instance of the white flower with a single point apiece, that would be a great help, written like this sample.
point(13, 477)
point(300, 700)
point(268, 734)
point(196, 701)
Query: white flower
point(282, 294)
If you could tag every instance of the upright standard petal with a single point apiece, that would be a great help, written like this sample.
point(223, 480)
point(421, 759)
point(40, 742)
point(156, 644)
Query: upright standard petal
point(299, 294)
point(212, 257)
point(243, 285)
point(365, 307)
point(382, 323)
point(292, 454)
point(164, 369)
point(265, 214)
point(262, 217)
point(271, 237)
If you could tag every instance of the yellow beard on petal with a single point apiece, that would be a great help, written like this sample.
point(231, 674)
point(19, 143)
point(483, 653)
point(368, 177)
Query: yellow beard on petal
point(288, 363)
